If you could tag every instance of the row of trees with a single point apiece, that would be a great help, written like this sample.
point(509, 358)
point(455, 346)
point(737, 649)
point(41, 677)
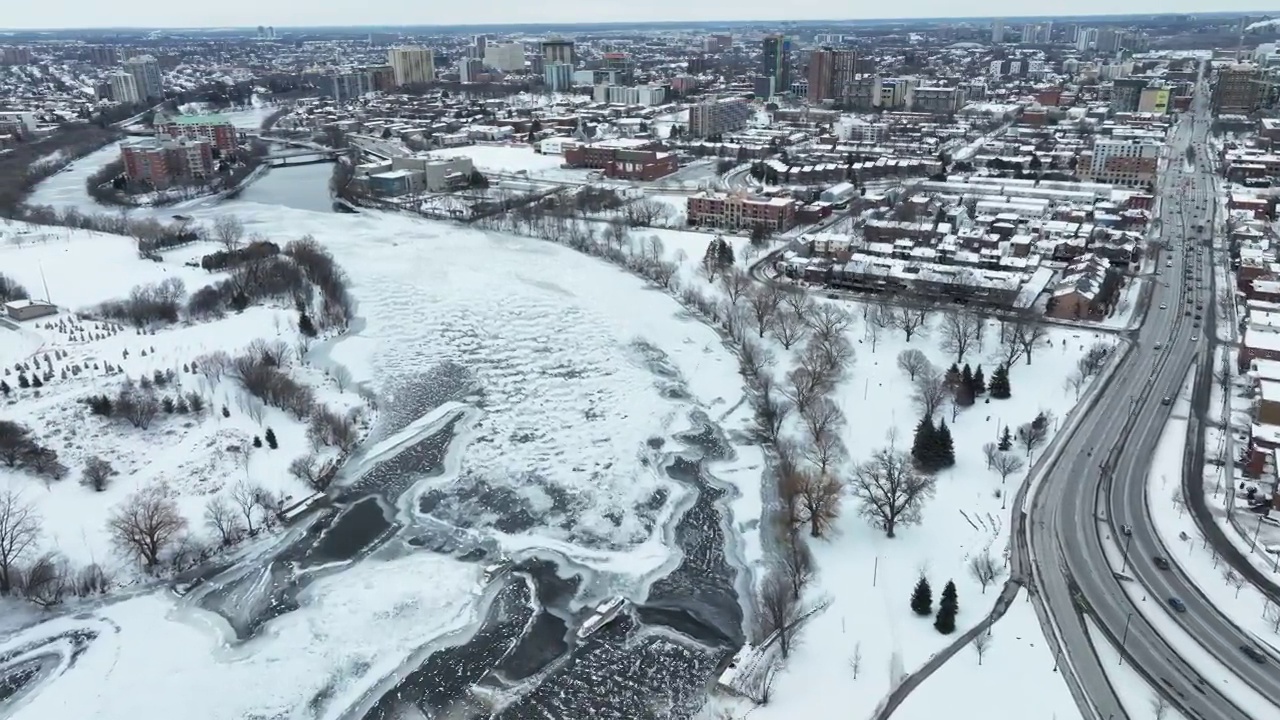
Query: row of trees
point(19, 449)
point(10, 290)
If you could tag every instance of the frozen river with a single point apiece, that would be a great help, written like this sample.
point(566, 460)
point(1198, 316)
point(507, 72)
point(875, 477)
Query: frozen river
point(534, 405)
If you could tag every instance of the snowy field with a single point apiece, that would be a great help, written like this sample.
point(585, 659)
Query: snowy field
point(197, 456)
point(1015, 648)
point(868, 578)
point(516, 160)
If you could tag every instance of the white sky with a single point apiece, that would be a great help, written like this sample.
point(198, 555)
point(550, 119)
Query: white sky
point(18, 14)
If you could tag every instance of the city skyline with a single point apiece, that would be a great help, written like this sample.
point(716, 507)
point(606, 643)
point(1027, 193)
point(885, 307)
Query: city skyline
point(244, 13)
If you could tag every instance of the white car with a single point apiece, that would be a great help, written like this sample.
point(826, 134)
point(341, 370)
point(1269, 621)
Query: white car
point(1164, 306)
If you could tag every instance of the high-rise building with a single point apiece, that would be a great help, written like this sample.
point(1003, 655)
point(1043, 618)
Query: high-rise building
point(997, 31)
point(557, 76)
point(1236, 89)
point(714, 117)
point(559, 52)
point(507, 57)
point(1126, 93)
point(1037, 34)
point(12, 55)
point(830, 73)
point(213, 129)
point(161, 162)
point(124, 89)
point(775, 61)
point(717, 43)
point(102, 55)
point(478, 45)
point(1109, 40)
point(1086, 39)
point(146, 73)
point(1130, 162)
point(412, 65)
point(470, 69)
point(346, 86)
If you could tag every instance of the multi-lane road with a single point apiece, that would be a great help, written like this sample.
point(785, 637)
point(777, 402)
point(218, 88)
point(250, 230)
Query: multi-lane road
point(1097, 490)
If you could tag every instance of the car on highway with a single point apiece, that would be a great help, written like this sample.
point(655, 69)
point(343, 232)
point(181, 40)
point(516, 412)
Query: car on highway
point(1177, 604)
point(1187, 313)
point(1126, 529)
point(1167, 400)
point(1253, 654)
point(1195, 338)
point(1163, 306)
point(1159, 561)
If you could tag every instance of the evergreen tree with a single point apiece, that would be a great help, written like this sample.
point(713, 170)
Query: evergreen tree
point(4, 388)
point(945, 621)
point(966, 379)
point(36, 381)
point(953, 377)
point(945, 448)
point(1041, 423)
point(257, 441)
point(270, 437)
point(924, 446)
point(305, 326)
point(979, 382)
point(922, 598)
point(1000, 384)
point(1006, 440)
point(23, 382)
point(725, 254)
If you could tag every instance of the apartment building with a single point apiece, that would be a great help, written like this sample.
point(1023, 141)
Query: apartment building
point(346, 86)
point(622, 159)
point(124, 89)
point(1130, 162)
point(507, 57)
point(146, 75)
point(741, 212)
point(775, 61)
point(936, 100)
point(1155, 100)
point(555, 52)
point(412, 65)
point(1237, 89)
point(1126, 94)
point(715, 117)
point(15, 55)
point(830, 73)
point(214, 129)
point(557, 76)
point(163, 162)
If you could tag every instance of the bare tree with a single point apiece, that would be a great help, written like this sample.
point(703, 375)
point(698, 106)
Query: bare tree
point(1032, 435)
point(245, 497)
point(829, 321)
point(1075, 381)
point(820, 502)
point(799, 302)
point(930, 391)
point(828, 357)
point(892, 493)
point(341, 377)
point(1010, 345)
point(910, 321)
point(872, 334)
point(1029, 334)
point(824, 450)
point(762, 302)
point(220, 517)
point(1007, 464)
point(213, 365)
point(959, 333)
point(735, 283)
point(1233, 579)
point(19, 533)
point(797, 562)
point(97, 472)
point(822, 416)
point(779, 609)
point(45, 581)
point(146, 524)
point(914, 362)
point(981, 643)
point(985, 569)
point(788, 328)
point(855, 660)
point(229, 231)
point(804, 386)
point(990, 451)
point(753, 358)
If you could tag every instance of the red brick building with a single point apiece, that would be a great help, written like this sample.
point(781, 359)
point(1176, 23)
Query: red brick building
point(741, 212)
point(162, 162)
point(622, 159)
point(213, 129)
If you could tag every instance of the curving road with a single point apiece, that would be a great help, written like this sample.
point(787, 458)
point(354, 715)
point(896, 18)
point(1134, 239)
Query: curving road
point(1099, 485)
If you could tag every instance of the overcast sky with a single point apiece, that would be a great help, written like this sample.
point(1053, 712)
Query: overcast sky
point(285, 13)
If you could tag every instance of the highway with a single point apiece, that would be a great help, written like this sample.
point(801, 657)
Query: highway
point(1099, 483)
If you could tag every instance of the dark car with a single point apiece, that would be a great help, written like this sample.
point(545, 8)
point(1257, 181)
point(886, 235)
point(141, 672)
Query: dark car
point(1177, 605)
point(1253, 654)
point(1160, 562)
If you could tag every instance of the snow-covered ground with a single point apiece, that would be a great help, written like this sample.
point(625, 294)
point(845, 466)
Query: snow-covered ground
point(516, 159)
point(1132, 690)
point(1015, 649)
point(868, 578)
point(198, 456)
